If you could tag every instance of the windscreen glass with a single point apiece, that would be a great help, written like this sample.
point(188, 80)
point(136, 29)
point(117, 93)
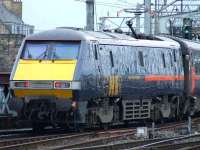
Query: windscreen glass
point(50, 50)
point(65, 51)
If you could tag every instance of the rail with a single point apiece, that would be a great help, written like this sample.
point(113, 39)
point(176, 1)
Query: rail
point(52, 141)
point(111, 139)
point(173, 143)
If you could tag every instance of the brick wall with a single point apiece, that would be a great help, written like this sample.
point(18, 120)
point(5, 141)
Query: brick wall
point(17, 8)
point(9, 45)
point(14, 6)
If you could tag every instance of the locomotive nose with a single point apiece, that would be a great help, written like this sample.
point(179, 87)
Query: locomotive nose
point(45, 78)
point(45, 70)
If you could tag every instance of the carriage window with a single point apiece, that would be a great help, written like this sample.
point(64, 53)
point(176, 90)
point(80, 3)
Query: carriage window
point(111, 59)
point(163, 59)
point(141, 59)
point(171, 59)
point(95, 51)
point(196, 62)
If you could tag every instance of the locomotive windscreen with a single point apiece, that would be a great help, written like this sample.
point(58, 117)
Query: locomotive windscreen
point(50, 50)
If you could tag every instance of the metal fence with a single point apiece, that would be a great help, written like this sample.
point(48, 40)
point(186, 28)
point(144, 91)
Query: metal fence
point(18, 28)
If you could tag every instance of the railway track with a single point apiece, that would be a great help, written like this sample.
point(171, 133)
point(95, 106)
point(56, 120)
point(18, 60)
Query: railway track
point(39, 142)
point(173, 144)
point(6, 134)
point(190, 142)
point(44, 142)
point(15, 131)
point(115, 145)
point(125, 141)
point(28, 132)
point(111, 139)
point(98, 140)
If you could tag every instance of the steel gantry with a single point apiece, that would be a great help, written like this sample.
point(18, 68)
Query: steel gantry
point(170, 13)
point(148, 16)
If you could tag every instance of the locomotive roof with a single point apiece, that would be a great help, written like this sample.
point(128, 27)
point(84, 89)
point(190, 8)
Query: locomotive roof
point(107, 37)
point(58, 34)
point(193, 45)
point(76, 35)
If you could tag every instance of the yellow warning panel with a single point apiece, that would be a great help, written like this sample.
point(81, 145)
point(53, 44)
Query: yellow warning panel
point(45, 70)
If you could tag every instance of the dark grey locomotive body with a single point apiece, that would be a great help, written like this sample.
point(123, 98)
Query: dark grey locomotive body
point(125, 79)
point(130, 76)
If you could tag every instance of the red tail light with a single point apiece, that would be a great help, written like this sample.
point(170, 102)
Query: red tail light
point(58, 84)
point(22, 84)
point(61, 84)
point(26, 84)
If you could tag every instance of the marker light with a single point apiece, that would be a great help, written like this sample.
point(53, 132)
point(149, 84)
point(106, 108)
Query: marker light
point(22, 84)
point(62, 85)
point(73, 85)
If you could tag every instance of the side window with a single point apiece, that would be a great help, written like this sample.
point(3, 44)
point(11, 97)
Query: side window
point(171, 59)
point(196, 61)
point(141, 58)
point(111, 59)
point(163, 60)
point(174, 55)
point(96, 51)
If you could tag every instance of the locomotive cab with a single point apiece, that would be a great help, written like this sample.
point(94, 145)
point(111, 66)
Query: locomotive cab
point(50, 65)
point(43, 77)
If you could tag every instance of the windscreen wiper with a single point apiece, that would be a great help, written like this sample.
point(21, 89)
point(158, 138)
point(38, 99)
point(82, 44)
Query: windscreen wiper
point(54, 55)
point(42, 56)
point(29, 55)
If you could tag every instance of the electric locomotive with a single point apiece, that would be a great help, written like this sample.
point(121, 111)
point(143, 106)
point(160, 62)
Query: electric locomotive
point(73, 77)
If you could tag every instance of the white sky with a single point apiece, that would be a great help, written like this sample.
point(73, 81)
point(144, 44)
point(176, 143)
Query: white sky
point(48, 14)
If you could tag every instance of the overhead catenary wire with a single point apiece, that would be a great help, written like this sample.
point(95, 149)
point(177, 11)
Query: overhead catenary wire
point(114, 4)
point(107, 4)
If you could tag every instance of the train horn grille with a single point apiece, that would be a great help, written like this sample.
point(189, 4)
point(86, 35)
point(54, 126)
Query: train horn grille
point(41, 84)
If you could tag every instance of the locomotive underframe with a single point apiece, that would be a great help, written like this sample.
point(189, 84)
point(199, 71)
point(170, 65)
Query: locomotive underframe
point(103, 111)
point(48, 110)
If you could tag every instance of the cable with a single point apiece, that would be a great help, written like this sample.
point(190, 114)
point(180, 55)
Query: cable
point(117, 5)
point(95, 8)
point(113, 4)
